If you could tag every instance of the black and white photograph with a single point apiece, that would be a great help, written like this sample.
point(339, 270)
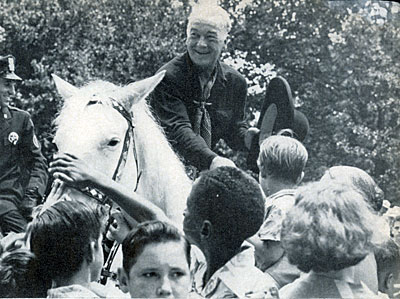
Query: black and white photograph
point(199, 149)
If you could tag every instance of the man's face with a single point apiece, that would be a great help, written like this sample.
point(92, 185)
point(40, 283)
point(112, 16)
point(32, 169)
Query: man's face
point(204, 44)
point(7, 88)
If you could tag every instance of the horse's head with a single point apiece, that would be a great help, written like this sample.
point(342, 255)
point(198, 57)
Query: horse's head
point(91, 127)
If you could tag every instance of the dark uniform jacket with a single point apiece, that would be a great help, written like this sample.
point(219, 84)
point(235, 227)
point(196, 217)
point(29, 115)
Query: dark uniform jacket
point(173, 102)
point(20, 155)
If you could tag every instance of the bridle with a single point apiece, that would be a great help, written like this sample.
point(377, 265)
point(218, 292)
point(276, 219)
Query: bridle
point(96, 194)
point(99, 196)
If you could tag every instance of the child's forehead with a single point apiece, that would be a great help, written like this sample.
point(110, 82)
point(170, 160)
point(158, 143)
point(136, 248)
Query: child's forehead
point(169, 253)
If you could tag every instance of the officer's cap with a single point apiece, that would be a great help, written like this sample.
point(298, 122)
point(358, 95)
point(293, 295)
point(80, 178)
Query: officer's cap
point(7, 68)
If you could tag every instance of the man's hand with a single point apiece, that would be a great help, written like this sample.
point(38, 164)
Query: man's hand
point(72, 170)
point(221, 161)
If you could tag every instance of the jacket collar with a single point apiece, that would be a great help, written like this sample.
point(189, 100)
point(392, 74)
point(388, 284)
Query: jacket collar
point(221, 69)
point(5, 118)
point(6, 113)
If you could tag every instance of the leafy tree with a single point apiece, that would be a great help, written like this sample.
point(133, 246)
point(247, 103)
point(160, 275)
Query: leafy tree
point(340, 58)
point(80, 40)
point(342, 70)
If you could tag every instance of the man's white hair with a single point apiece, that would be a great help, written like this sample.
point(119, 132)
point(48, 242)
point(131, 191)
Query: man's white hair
point(210, 14)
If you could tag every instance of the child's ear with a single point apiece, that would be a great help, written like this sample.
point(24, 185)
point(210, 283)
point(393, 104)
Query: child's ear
point(123, 280)
point(206, 230)
point(300, 178)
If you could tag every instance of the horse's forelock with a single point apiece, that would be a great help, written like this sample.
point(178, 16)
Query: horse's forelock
point(75, 105)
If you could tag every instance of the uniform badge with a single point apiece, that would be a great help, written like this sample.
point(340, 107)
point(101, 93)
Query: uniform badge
point(13, 137)
point(36, 141)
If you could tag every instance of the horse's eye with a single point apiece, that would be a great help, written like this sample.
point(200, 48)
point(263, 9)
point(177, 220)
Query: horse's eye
point(113, 142)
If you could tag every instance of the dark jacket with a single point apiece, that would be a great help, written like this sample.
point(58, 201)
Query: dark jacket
point(20, 155)
point(173, 102)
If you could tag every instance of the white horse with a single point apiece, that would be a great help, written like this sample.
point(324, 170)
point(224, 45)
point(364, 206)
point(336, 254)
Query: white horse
point(89, 127)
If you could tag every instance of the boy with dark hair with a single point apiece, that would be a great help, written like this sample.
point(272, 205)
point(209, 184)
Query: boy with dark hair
point(155, 264)
point(224, 208)
point(66, 240)
point(281, 162)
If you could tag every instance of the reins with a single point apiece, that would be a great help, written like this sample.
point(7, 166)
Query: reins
point(99, 196)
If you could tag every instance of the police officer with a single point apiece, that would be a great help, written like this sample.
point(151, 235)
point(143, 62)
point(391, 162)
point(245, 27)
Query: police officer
point(20, 157)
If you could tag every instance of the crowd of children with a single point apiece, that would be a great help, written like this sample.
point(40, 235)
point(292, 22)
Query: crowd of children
point(240, 238)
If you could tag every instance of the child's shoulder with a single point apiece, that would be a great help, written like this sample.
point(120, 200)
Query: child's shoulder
point(281, 198)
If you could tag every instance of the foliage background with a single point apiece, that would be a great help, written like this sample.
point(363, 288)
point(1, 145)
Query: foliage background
point(341, 59)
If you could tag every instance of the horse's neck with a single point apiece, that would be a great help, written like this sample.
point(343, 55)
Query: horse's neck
point(163, 179)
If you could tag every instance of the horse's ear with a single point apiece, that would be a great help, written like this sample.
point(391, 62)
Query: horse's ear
point(141, 89)
point(64, 88)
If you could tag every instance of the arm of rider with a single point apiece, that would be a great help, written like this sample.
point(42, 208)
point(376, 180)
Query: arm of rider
point(78, 173)
point(219, 161)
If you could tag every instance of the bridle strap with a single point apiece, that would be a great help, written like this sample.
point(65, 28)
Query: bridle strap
point(122, 158)
point(129, 135)
point(96, 194)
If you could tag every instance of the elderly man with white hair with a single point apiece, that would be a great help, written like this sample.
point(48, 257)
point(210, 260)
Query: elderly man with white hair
point(202, 100)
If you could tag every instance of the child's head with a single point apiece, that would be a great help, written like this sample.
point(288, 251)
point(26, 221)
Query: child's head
point(156, 259)
point(66, 237)
point(282, 158)
point(395, 229)
point(17, 275)
point(358, 179)
point(388, 265)
point(225, 206)
point(330, 228)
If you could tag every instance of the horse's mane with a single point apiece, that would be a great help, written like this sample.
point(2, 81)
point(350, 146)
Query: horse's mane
point(163, 171)
point(163, 180)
